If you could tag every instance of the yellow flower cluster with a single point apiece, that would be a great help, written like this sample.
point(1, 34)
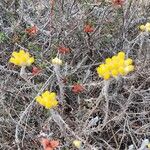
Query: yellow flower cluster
point(21, 58)
point(115, 66)
point(145, 28)
point(56, 61)
point(77, 144)
point(47, 99)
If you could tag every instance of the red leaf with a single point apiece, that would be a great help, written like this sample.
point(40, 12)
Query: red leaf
point(32, 30)
point(118, 2)
point(49, 144)
point(63, 50)
point(77, 88)
point(88, 28)
point(35, 70)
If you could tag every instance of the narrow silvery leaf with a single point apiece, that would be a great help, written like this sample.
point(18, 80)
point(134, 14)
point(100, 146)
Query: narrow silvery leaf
point(93, 121)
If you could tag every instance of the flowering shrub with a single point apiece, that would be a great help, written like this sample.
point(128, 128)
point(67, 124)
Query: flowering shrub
point(21, 58)
point(74, 34)
point(115, 66)
point(145, 28)
point(47, 99)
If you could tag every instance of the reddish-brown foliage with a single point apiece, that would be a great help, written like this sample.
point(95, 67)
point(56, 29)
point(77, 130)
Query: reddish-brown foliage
point(63, 50)
point(36, 70)
point(88, 28)
point(77, 88)
point(49, 144)
point(31, 30)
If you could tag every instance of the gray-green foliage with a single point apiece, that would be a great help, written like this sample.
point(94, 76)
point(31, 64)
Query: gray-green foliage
point(2, 37)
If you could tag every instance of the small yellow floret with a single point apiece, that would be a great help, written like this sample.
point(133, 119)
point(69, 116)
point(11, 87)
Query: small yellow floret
point(145, 28)
point(110, 66)
point(148, 29)
point(56, 61)
point(47, 99)
point(129, 69)
point(102, 66)
point(106, 75)
point(142, 28)
point(108, 60)
point(128, 61)
point(21, 58)
point(121, 62)
point(121, 71)
point(114, 72)
point(114, 58)
point(115, 64)
point(121, 55)
point(147, 25)
point(77, 144)
point(100, 71)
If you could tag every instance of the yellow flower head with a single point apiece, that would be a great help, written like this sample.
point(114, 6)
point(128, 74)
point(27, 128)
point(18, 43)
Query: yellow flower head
point(77, 144)
point(142, 27)
point(21, 58)
point(108, 61)
point(145, 28)
point(121, 55)
point(56, 61)
point(47, 99)
point(115, 66)
point(129, 69)
point(128, 61)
